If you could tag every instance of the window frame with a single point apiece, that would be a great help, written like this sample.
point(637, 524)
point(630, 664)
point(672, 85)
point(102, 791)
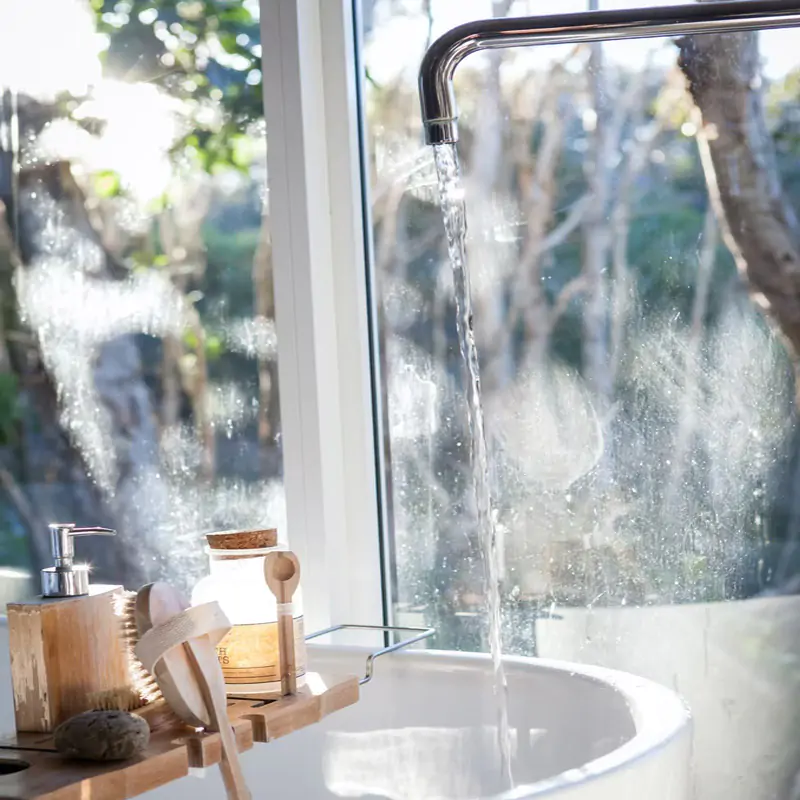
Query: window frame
point(325, 315)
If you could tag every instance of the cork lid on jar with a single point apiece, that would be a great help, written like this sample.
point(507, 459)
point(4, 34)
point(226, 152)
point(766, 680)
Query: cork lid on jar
point(243, 540)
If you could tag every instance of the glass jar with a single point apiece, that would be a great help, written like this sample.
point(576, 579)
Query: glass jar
point(248, 654)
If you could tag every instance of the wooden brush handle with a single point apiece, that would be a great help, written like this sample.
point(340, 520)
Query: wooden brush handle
point(178, 642)
point(288, 661)
point(230, 768)
point(212, 685)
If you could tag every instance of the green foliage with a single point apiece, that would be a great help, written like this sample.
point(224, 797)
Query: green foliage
point(204, 52)
point(107, 184)
point(214, 347)
point(14, 544)
point(190, 339)
point(229, 268)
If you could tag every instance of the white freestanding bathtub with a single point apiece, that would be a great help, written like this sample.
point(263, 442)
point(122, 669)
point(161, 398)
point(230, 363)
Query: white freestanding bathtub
point(424, 729)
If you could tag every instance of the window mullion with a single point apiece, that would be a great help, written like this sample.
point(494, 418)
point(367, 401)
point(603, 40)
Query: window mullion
point(322, 317)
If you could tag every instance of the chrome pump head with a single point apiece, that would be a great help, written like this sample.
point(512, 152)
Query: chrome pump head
point(437, 99)
point(65, 578)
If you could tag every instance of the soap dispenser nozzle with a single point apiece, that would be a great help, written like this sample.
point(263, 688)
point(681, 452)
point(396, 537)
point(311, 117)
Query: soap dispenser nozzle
point(65, 578)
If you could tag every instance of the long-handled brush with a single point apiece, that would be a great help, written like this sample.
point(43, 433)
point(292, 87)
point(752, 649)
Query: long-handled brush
point(188, 672)
point(176, 644)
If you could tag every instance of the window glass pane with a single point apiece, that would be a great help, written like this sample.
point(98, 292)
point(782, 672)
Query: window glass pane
point(138, 384)
point(639, 390)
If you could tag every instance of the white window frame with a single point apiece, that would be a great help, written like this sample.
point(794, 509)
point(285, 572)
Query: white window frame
point(328, 418)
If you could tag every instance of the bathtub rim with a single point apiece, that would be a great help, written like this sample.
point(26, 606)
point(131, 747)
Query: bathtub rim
point(660, 716)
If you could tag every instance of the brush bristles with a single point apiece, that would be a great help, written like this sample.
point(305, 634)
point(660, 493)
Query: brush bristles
point(122, 699)
point(142, 683)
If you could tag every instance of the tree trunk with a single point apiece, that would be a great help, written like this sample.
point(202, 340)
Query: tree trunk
point(640, 145)
point(483, 186)
point(197, 386)
point(170, 382)
point(529, 292)
point(758, 224)
point(181, 239)
point(692, 368)
point(596, 235)
point(535, 176)
point(264, 310)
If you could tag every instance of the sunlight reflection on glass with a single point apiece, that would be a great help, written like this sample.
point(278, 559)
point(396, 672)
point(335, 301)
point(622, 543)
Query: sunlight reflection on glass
point(63, 56)
point(156, 360)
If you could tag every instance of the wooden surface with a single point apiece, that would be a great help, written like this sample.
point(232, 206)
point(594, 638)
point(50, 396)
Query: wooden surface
point(83, 656)
point(172, 750)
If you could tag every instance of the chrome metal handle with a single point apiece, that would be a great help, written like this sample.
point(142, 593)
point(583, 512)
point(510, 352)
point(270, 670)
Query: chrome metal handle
point(61, 540)
point(92, 531)
point(418, 635)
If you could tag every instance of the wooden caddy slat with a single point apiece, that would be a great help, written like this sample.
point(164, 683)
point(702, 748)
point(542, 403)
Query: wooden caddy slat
point(172, 749)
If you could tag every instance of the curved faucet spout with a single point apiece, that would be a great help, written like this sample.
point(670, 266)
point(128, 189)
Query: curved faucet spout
point(439, 114)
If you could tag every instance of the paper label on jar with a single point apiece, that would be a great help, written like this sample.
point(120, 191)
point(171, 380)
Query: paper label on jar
point(249, 653)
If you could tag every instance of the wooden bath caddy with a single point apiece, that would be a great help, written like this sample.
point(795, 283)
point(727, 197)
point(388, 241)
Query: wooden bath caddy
point(172, 751)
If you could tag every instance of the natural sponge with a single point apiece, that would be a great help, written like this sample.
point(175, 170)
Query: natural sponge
point(102, 736)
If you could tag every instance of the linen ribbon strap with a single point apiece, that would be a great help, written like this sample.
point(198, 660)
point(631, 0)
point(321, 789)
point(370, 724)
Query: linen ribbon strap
point(204, 620)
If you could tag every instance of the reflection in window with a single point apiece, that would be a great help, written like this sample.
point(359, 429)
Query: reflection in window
point(137, 349)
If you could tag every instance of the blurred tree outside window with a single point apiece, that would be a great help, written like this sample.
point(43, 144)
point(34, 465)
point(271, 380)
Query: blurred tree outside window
point(138, 382)
point(633, 249)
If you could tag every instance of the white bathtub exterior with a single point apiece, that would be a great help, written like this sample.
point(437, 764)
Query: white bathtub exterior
point(736, 665)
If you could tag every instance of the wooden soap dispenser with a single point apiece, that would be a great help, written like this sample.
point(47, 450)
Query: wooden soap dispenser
point(65, 645)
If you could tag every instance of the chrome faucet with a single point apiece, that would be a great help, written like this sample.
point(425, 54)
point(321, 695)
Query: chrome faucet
point(439, 113)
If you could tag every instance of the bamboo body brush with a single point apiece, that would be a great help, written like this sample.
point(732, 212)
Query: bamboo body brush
point(142, 689)
point(174, 672)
